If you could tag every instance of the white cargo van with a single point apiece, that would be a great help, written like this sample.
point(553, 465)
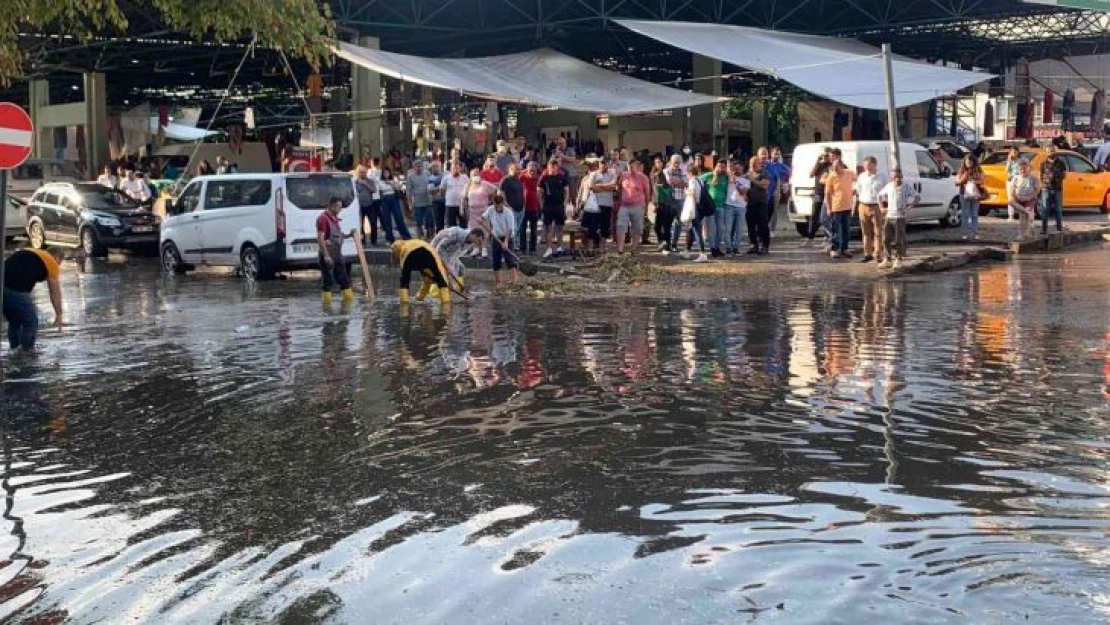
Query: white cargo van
point(259, 223)
point(940, 198)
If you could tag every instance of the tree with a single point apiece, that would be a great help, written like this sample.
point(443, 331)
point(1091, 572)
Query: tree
point(300, 27)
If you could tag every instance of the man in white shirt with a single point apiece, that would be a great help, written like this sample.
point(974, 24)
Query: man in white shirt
point(222, 166)
point(868, 185)
point(453, 186)
point(135, 188)
point(108, 178)
point(1102, 155)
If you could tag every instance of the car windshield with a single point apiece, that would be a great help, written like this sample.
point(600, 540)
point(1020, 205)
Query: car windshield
point(996, 158)
point(313, 192)
point(96, 197)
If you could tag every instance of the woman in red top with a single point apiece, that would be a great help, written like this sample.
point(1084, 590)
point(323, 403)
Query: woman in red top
point(531, 181)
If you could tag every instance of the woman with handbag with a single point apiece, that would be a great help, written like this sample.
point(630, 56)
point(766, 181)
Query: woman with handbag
point(691, 218)
point(972, 191)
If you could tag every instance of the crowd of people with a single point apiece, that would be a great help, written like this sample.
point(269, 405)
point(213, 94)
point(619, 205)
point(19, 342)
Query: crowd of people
point(606, 203)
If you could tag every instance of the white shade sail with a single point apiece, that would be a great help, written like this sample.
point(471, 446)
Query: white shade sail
point(544, 77)
point(842, 70)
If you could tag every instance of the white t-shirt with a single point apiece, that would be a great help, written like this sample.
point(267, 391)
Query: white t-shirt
point(453, 187)
point(868, 187)
point(899, 199)
point(108, 180)
point(501, 223)
point(734, 197)
point(376, 175)
point(135, 189)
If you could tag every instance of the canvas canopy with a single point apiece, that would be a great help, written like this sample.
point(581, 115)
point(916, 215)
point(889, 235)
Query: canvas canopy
point(544, 77)
point(842, 70)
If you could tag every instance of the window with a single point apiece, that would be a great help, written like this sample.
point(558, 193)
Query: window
point(189, 199)
point(28, 171)
point(1078, 164)
point(235, 193)
point(69, 204)
point(926, 166)
point(50, 198)
point(313, 192)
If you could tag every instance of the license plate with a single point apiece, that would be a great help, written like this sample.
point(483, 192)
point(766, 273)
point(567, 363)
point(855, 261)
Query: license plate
point(142, 229)
point(305, 248)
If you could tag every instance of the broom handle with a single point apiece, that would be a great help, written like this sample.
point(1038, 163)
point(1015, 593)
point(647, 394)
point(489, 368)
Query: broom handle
point(367, 281)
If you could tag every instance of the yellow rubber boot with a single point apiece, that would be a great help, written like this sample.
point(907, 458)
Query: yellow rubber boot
point(435, 291)
point(403, 295)
point(462, 283)
point(423, 292)
point(348, 295)
point(445, 297)
point(325, 298)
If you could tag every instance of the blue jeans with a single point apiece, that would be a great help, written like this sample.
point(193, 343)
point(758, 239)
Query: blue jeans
point(391, 213)
point(721, 226)
point(22, 317)
point(1052, 202)
point(736, 234)
point(424, 217)
point(694, 232)
point(842, 230)
point(521, 242)
point(969, 212)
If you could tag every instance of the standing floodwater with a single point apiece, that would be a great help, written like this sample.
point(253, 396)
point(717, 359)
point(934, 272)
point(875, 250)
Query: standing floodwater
point(934, 450)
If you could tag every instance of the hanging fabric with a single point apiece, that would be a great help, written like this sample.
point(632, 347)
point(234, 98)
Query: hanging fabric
point(988, 120)
point(1049, 102)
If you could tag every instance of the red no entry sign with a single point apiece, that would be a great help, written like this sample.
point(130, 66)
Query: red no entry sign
point(16, 134)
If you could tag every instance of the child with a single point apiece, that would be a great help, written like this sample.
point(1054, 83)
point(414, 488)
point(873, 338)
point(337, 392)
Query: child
point(896, 199)
point(501, 223)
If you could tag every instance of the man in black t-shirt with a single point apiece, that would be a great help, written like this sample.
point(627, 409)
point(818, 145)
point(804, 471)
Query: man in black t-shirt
point(22, 271)
point(554, 191)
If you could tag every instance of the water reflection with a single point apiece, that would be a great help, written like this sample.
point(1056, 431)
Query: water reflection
point(927, 450)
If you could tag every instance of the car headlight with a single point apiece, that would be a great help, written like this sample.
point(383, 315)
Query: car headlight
point(108, 222)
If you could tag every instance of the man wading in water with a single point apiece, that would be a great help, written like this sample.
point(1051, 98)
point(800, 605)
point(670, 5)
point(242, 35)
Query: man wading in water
point(22, 271)
point(329, 236)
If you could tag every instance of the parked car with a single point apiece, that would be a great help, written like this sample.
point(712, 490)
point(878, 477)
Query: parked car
point(14, 224)
point(258, 223)
point(954, 152)
point(940, 201)
point(24, 180)
point(90, 216)
point(1084, 185)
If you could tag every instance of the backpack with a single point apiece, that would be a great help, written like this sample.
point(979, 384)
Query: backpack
point(706, 206)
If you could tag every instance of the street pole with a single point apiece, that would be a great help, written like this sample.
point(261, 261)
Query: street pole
point(891, 110)
point(3, 228)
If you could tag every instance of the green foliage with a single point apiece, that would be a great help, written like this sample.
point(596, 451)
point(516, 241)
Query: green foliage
point(300, 27)
point(782, 115)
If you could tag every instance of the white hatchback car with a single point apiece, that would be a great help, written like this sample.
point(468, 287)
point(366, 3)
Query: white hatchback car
point(259, 223)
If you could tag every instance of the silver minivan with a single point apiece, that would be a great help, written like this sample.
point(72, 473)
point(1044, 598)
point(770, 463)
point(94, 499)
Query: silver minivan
point(258, 223)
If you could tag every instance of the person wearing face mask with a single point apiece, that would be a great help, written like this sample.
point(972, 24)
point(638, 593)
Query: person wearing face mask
point(478, 197)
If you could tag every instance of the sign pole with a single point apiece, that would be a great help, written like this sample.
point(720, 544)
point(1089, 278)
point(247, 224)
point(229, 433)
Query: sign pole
point(891, 110)
point(3, 229)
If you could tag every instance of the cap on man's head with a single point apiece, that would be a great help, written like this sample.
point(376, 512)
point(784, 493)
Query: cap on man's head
point(934, 146)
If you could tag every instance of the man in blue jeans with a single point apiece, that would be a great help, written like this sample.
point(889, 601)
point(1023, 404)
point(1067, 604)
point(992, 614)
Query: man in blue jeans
point(1053, 171)
point(22, 271)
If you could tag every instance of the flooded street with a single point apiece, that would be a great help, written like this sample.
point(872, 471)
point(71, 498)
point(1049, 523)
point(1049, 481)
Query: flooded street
point(927, 450)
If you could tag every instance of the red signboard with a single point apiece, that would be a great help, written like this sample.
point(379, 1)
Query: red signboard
point(16, 135)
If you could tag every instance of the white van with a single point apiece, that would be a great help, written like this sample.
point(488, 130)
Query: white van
point(940, 198)
point(24, 180)
point(259, 223)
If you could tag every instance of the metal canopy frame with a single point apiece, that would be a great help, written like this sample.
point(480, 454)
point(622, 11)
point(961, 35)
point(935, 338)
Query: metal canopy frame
point(983, 33)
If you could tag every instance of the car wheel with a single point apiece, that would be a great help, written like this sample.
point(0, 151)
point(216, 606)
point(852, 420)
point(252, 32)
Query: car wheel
point(171, 260)
point(803, 229)
point(251, 264)
point(90, 244)
point(954, 218)
point(36, 236)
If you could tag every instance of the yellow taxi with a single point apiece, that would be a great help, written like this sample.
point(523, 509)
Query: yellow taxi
point(1084, 185)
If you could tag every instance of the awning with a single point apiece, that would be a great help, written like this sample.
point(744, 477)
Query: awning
point(180, 132)
point(842, 70)
point(543, 77)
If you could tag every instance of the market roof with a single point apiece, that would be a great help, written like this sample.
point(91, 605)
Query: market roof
point(987, 34)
